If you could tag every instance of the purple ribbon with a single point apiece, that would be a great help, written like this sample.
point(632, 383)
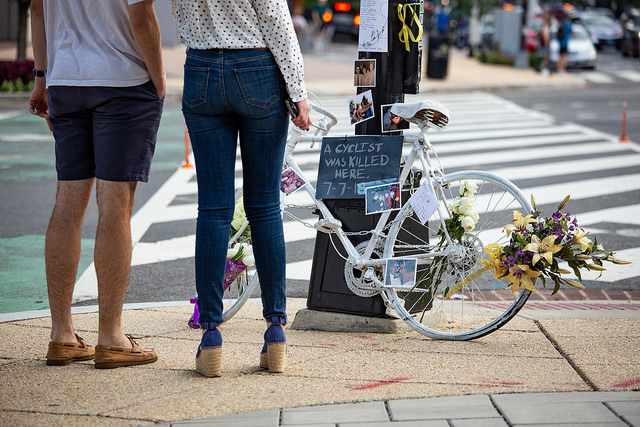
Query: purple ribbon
point(232, 270)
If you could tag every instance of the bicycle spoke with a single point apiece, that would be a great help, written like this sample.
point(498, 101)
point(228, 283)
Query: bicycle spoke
point(461, 299)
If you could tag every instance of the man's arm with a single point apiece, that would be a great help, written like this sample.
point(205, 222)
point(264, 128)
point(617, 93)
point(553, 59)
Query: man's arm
point(38, 102)
point(146, 32)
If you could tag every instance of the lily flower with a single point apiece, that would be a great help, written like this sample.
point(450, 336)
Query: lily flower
point(574, 283)
point(521, 275)
point(580, 238)
point(564, 202)
point(595, 267)
point(520, 222)
point(495, 261)
point(543, 249)
point(619, 261)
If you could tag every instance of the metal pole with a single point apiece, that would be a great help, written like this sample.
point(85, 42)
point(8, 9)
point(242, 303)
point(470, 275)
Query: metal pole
point(393, 79)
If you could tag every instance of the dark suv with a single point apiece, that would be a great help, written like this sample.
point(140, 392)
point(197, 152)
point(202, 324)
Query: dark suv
point(346, 17)
point(631, 28)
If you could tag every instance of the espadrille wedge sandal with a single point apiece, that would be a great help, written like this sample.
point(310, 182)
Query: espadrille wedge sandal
point(274, 351)
point(209, 356)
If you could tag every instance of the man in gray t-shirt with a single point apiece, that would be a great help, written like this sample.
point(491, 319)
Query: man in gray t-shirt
point(99, 83)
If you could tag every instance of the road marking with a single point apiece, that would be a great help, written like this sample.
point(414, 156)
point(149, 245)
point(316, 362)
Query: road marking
point(632, 75)
point(596, 77)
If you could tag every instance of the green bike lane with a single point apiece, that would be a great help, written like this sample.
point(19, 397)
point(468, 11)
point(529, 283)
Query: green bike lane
point(27, 194)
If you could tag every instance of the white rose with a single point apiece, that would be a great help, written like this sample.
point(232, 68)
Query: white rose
point(238, 215)
point(453, 206)
point(466, 205)
point(468, 188)
point(238, 220)
point(467, 223)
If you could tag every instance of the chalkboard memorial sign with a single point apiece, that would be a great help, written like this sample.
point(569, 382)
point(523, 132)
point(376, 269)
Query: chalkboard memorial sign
point(348, 161)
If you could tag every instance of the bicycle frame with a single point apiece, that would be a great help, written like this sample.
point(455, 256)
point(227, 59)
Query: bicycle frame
point(419, 150)
point(400, 235)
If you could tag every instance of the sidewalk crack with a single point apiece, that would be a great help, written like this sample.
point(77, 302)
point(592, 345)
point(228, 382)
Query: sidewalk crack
point(566, 357)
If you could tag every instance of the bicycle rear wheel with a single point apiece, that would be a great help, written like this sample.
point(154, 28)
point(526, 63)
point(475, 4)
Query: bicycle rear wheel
point(481, 303)
point(241, 289)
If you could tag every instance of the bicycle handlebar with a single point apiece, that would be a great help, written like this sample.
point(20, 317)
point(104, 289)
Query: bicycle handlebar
point(332, 119)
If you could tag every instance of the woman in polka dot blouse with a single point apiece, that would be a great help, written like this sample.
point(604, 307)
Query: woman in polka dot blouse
point(243, 61)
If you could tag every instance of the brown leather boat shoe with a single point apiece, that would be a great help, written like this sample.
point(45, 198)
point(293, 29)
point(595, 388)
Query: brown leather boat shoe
point(63, 353)
point(109, 356)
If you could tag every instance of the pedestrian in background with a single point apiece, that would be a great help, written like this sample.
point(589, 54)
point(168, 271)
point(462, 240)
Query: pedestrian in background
point(545, 40)
point(243, 61)
point(563, 34)
point(100, 85)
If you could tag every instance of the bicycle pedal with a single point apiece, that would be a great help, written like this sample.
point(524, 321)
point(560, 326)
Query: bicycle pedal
point(327, 225)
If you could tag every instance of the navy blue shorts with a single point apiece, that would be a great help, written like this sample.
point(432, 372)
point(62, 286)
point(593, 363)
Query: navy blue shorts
point(104, 132)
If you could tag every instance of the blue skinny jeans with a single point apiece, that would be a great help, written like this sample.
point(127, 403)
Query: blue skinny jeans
point(229, 96)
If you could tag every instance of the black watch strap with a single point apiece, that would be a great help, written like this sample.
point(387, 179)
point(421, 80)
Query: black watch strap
point(39, 73)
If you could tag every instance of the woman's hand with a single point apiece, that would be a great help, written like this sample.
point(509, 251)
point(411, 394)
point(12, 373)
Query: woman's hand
point(303, 121)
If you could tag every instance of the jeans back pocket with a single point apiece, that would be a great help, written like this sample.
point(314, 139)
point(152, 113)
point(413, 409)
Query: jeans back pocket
point(259, 86)
point(196, 85)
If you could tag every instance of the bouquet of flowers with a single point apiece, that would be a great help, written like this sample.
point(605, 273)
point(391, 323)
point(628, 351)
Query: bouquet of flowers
point(239, 255)
point(537, 246)
point(464, 216)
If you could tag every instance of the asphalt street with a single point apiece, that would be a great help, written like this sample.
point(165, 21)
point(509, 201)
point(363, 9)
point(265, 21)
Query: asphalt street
point(601, 174)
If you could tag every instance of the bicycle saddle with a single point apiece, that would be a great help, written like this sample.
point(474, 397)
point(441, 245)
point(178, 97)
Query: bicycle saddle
point(425, 114)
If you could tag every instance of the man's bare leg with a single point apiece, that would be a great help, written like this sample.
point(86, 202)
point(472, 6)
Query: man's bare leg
point(112, 257)
point(62, 253)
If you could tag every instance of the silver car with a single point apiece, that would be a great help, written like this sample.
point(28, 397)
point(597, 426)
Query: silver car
point(603, 30)
point(581, 52)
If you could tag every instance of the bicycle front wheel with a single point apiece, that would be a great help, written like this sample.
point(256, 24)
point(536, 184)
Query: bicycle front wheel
point(240, 290)
point(454, 297)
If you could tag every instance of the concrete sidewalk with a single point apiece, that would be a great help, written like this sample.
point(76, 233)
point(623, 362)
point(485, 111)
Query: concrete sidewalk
point(496, 380)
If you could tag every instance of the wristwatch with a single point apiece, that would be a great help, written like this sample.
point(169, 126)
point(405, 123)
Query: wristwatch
point(39, 73)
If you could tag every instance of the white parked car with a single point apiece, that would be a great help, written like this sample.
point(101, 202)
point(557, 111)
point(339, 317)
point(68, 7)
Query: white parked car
point(581, 53)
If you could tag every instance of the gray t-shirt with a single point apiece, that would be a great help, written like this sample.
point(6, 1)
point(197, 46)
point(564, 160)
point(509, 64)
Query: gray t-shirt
point(90, 43)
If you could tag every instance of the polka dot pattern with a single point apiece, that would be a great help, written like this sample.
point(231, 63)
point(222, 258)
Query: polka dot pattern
point(244, 24)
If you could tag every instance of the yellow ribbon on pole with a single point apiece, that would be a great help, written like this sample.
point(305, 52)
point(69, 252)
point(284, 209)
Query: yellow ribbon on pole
point(406, 35)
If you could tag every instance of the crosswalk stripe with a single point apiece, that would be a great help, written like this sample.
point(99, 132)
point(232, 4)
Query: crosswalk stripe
point(632, 75)
point(596, 77)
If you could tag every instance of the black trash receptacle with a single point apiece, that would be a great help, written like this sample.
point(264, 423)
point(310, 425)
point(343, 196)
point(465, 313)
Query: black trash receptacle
point(438, 56)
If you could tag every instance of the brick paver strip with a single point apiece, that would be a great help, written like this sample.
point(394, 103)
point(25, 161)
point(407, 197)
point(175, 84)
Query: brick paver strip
point(566, 295)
